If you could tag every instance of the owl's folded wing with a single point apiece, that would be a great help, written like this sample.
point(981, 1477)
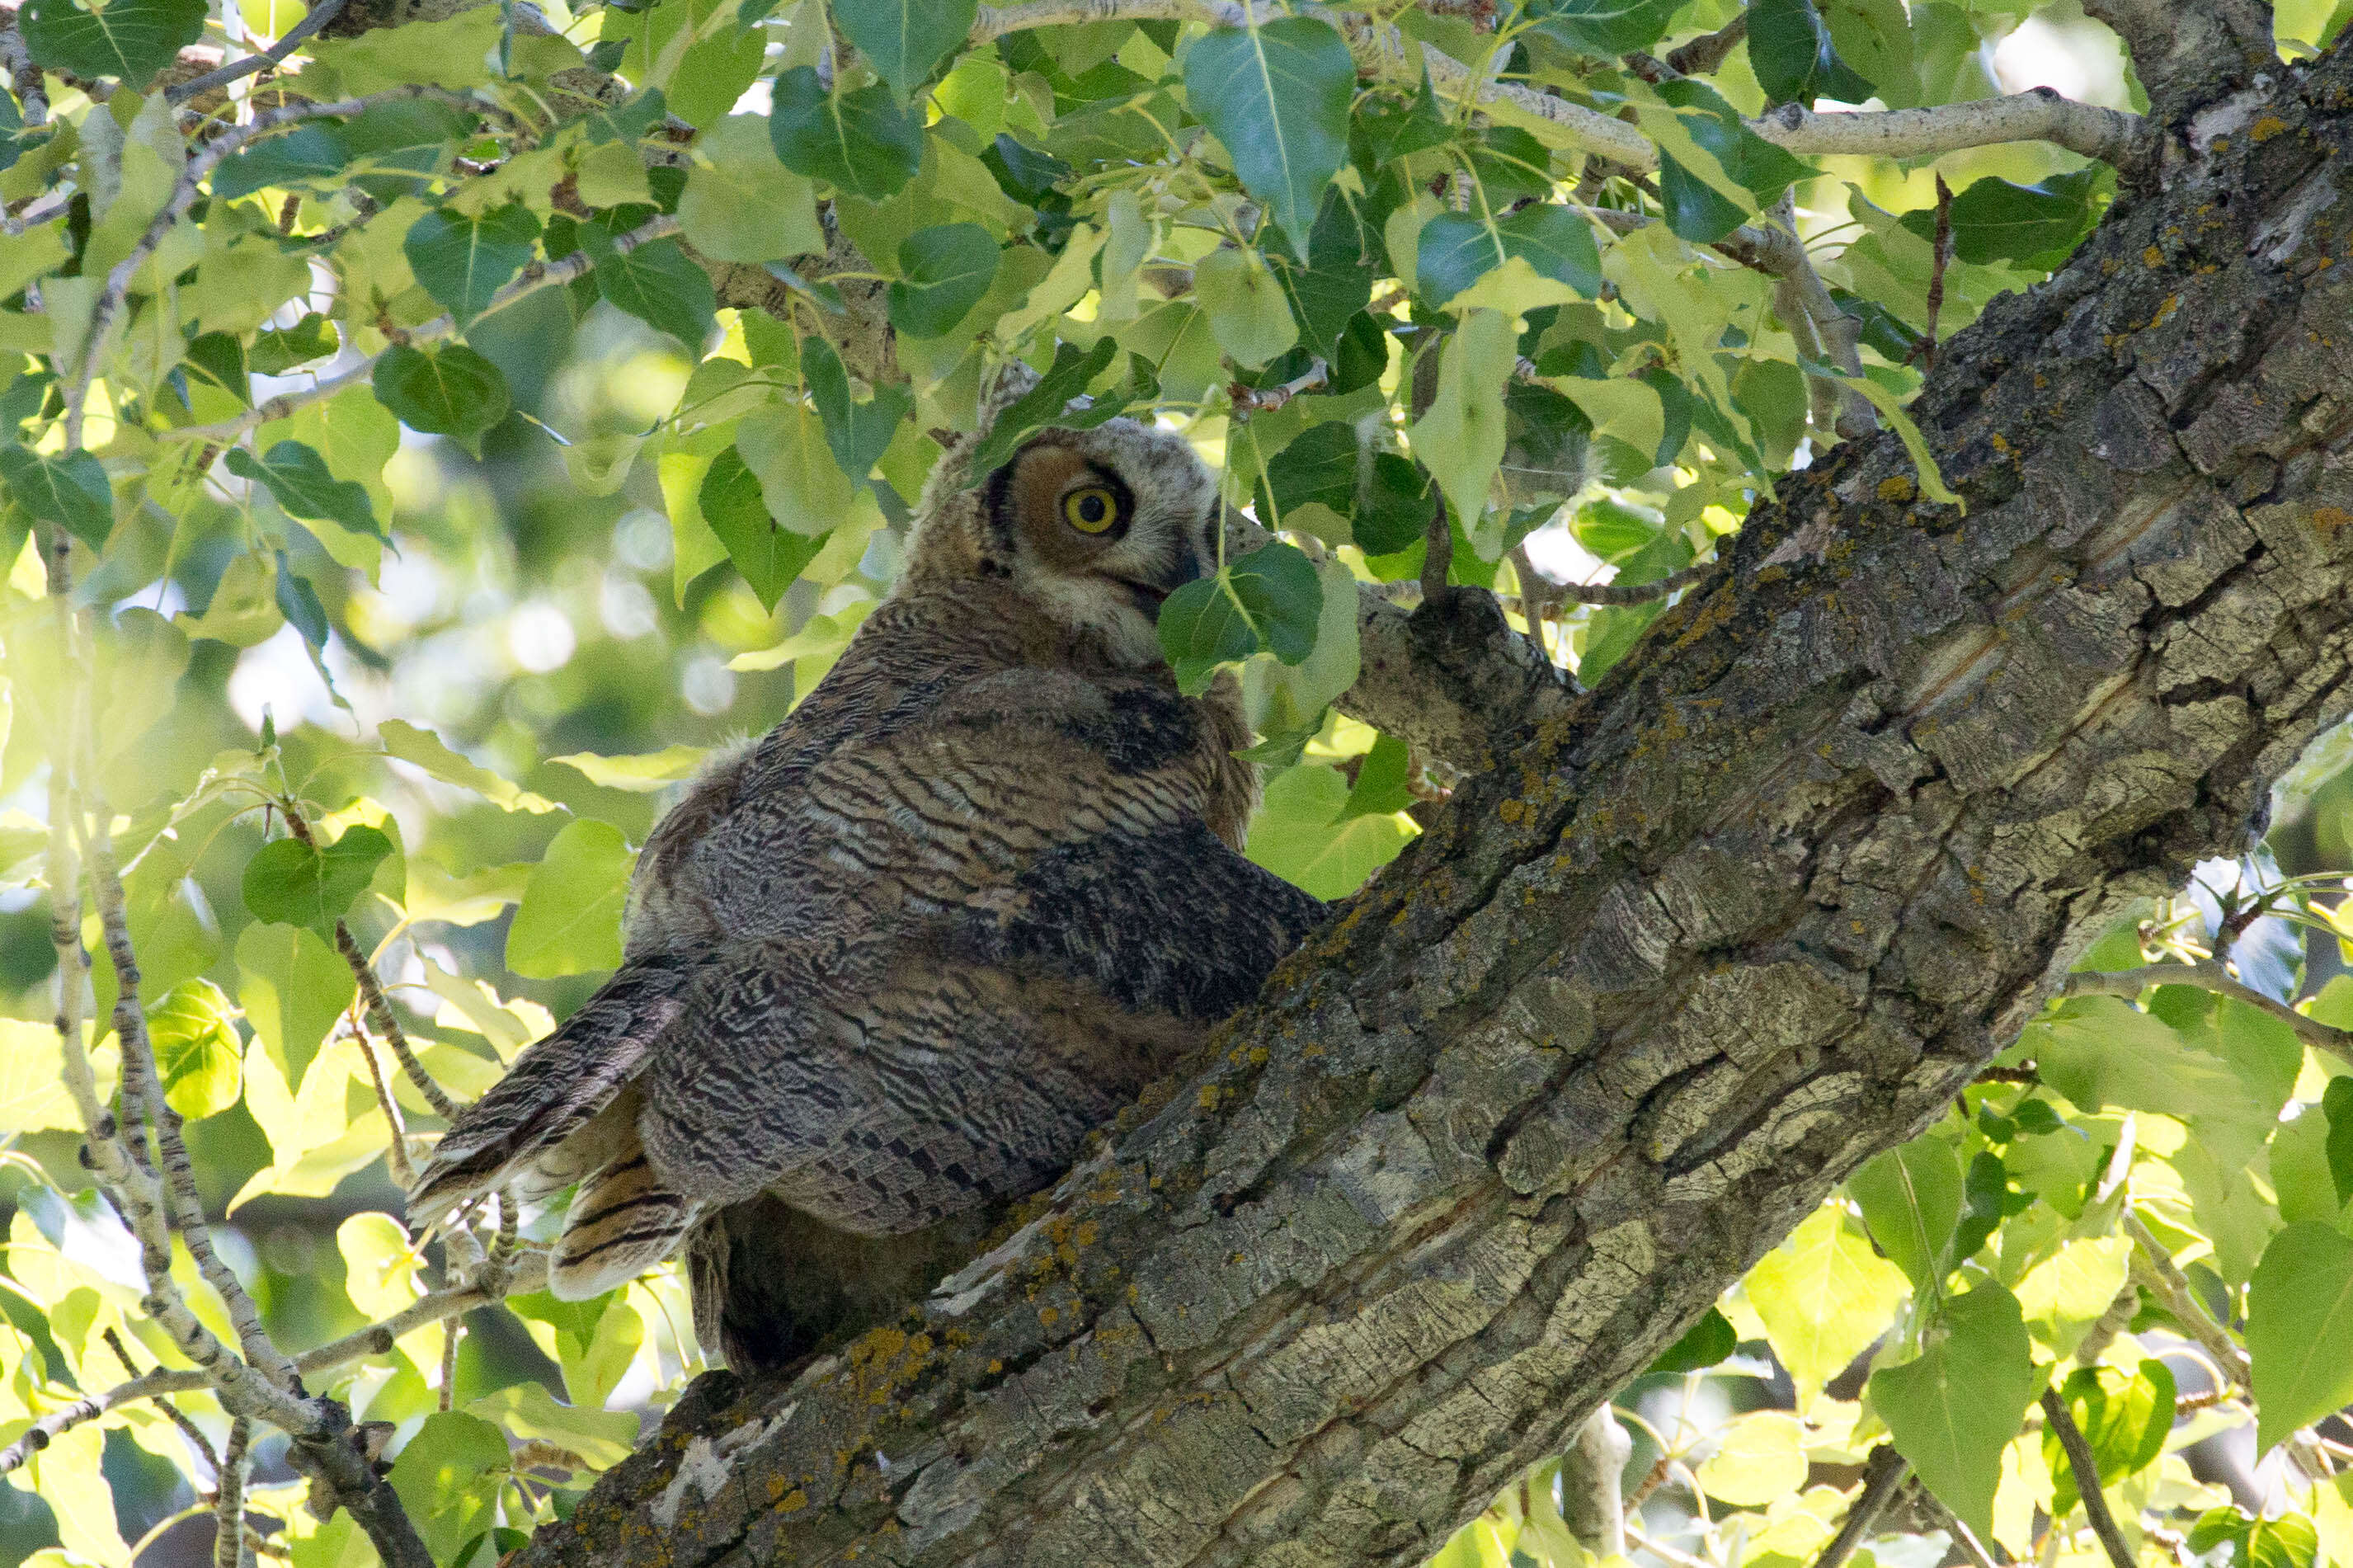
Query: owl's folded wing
point(556, 1086)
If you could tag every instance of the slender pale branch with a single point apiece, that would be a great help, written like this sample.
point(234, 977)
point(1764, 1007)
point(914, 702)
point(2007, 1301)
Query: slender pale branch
point(2110, 136)
point(520, 1274)
point(1709, 50)
point(2209, 975)
point(229, 1549)
point(535, 276)
point(318, 17)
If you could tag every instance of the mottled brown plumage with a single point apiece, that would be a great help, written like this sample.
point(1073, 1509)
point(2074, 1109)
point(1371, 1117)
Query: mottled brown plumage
point(889, 964)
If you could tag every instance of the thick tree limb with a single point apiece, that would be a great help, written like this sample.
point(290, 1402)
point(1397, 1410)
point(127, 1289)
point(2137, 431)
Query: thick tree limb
point(1719, 929)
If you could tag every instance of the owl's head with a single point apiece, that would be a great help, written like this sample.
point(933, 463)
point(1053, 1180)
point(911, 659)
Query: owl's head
point(1095, 527)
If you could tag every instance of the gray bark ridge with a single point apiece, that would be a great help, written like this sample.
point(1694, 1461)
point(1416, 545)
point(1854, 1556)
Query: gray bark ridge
point(1748, 911)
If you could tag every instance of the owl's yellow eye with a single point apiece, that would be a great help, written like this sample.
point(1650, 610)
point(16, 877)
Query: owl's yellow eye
point(1091, 509)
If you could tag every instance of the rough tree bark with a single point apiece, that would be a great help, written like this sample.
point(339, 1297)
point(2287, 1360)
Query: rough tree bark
point(1749, 911)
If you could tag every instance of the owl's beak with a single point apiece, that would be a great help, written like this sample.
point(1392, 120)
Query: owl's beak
point(1186, 569)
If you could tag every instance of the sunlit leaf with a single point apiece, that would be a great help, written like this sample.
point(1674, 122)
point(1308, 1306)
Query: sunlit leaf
point(1276, 93)
point(570, 917)
point(1952, 1411)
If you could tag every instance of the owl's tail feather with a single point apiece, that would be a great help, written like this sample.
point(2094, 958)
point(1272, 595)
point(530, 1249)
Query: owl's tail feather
point(625, 1219)
point(556, 1087)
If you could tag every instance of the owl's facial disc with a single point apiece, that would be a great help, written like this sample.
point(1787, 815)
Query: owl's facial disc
point(1103, 526)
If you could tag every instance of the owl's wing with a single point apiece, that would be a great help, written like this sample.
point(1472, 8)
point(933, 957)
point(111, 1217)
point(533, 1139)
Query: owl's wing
point(1083, 927)
point(557, 1085)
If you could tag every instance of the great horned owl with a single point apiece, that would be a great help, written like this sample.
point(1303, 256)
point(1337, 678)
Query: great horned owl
point(889, 964)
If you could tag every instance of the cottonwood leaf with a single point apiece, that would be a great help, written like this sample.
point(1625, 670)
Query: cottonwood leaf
point(1824, 1296)
point(1277, 95)
point(464, 261)
point(656, 284)
point(741, 203)
point(944, 270)
point(859, 141)
point(569, 921)
point(197, 1052)
point(298, 479)
point(2300, 1330)
point(70, 491)
point(905, 40)
point(768, 556)
point(1953, 1410)
point(129, 39)
point(298, 883)
point(448, 390)
point(1911, 1199)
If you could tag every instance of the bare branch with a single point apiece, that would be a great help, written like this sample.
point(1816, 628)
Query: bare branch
point(1709, 50)
point(2210, 975)
point(1592, 1472)
point(535, 276)
point(318, 17)
point(229, 1549)
point(2110, 136)
point(1882, 1478)
point(2086, 1470)
point(381, 1017)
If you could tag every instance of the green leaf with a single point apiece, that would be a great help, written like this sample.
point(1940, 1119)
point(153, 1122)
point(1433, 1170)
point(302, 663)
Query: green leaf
point(307, 155)
point(768, 556)
point(1824, 1296)
point(1461, 439)
point(1268, 601)
point(1794, 58)
point(1911, 1199)
point(217, 359)
point(1694, 210)
point(861, 142)
point(298, 883)
point(424, 750)
point(298, 479)
point(1995, 220)
point(448, 390)
point(70, 492)
point(2300, 1330)
point(2337, 1106)
point(132, 39)
point(1456, 249)
point(1331, 290)
point(1759, 1460)
point(1952, 1411)
point(1302, 832)
point(641, 775)
point(1605, 28)
point(944, 270)
point(801, 481)
point(2124, 1419)
point(197, 1052)
point(657, 284)
point(1704, 1344)
point(1277, 95)
point(905, 40)
point(1044, 404)
point(859, 433)
point(1249, 314)
point(293, 987)
point(464, 261)
point(298, 602)
point(1319, 466)
point(570, 918)
point(447, 1479)
point(741, 203)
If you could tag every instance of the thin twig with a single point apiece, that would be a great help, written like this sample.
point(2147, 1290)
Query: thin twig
point(228, 1498)
point(1628, 593)
point(396, 1154)
point(179, 1417)
point(318, 17)
point(2086, 1468)
point(381, 1018)
point(2209, 975)
point(1437, 555)
point(1247, 400)
point(534, 277)
point(1882, 1478)
point(1709, 50)
point(1937, 262)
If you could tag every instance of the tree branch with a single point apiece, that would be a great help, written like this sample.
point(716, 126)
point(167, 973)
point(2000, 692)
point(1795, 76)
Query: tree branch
point(2086, 1470)
point(1882, 1478)
point(1708, 935)
point(317, 18)
point(2209, 975)
point(535, 276)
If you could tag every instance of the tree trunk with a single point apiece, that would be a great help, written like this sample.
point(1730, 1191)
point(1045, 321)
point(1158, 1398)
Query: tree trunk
point(1749, 911)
